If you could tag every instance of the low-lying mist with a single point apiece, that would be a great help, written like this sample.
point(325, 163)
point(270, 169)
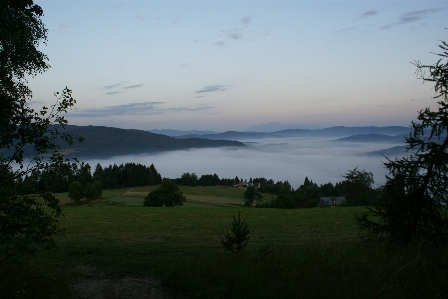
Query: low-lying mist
point(280, 159)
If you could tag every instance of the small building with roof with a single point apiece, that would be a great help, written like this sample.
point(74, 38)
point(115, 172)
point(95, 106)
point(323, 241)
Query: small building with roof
point(331, 200)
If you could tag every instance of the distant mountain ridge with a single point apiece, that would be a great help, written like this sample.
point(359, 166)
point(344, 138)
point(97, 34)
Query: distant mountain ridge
point(175, 133)
point(373, 138)
point(276, 126)
point(102, 142)
point(339, 131)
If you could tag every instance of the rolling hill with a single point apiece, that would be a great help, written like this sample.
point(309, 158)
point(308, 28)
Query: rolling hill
point(102, 142)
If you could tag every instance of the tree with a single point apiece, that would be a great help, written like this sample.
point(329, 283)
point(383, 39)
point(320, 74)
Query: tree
point(357, 187)
point(236, 240)
point(76, 191)
point(414, 203)
point(250, 194)
point(92, 190)
point(168, 194)
point(26, 221)
point(188, 179)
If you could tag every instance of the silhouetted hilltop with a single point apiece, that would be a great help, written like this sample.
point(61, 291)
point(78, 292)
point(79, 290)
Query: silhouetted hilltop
point(102, 142)
point(339, 131)
point(106, 141)
point(373, 138)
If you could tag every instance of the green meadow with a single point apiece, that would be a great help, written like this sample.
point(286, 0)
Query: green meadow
point(300, 253)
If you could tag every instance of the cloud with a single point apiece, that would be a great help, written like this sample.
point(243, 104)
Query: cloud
point(220, 44)
point(246, 20)
point(189, 109)
point(177, 19)
point(346, 29)
point(369, 13)
point(33, 102)
point(145, 108)
point(127, 109)
point(212, 88)
point(132, 86)
point(112, 92)
point(412, 16)
point(113, 85)
point(233, 34)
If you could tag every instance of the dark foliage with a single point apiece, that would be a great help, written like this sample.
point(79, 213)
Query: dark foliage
point(414, 203)
point(236, 240)
point(358, 188)
point(27, 221)
point(168, 195)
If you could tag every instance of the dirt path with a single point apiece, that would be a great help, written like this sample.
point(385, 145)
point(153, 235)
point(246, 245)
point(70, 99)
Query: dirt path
point(127, 192)
point(98, 287)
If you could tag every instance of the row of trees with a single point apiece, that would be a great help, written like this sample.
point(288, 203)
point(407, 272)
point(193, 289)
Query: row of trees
point(357, 188)
point(113, 176)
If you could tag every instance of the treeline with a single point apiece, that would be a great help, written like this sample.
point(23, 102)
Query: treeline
point(80, 182)
point(111, 177)
point(357, 188)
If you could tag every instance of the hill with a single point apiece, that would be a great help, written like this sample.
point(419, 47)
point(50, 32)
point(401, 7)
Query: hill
point(373, 138)
point(103, 142)
point(339, 131)
point(106, 141)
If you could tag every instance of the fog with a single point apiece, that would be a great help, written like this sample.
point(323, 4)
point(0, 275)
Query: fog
point(280, 159)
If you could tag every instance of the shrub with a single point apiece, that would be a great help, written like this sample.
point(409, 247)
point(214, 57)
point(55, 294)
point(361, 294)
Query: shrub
point(76, 191)
point(168, 194)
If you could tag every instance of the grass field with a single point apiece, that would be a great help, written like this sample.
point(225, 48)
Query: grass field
point(309, 253)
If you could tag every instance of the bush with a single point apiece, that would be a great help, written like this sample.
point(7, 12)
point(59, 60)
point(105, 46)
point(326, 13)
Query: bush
point(76, 191)
point(168, 194)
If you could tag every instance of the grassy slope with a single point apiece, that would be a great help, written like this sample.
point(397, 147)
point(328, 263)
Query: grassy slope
point(310, 253)
point(211, 195)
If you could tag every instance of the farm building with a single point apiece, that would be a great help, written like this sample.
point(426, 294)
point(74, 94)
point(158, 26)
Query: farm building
point(331, 200)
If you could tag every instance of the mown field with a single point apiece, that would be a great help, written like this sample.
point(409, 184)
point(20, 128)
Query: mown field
point(309, 253)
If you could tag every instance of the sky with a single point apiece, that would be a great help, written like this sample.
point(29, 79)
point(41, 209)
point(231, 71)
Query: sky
point(227, 65)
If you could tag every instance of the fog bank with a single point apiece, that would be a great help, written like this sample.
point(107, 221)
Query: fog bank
point(279, 159)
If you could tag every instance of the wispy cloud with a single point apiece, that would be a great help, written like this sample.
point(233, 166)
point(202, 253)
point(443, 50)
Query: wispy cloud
point(369, 13)
point(127, 109)
point(220, 44)
point(212, 88)
point(132, 86)
point(246, 20)
point(412, 16)
point(146, 108)
point(112, 92)
point(33, 102)
point(346, 29)
point(113, 85)
point(233, 34)
point(177, 19)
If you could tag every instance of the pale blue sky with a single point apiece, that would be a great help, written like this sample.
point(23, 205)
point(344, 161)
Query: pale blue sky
point(226, 65)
